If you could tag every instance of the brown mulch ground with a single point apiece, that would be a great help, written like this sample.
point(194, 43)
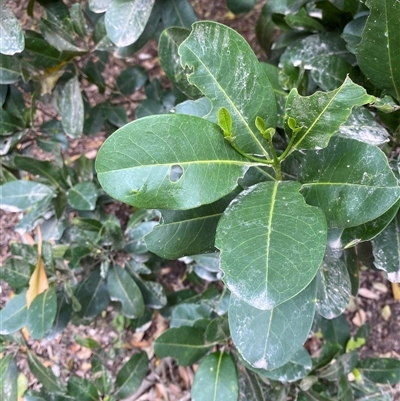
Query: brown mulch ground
point(166, 380)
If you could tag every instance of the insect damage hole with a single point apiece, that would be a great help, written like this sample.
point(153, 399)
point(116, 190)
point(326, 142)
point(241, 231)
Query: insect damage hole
point(175, 173)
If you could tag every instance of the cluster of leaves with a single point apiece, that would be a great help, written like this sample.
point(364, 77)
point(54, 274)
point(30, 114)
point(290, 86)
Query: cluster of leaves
point(272, 176)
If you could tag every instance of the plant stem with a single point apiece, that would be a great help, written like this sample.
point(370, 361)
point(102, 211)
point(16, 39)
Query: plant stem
point(250, 157)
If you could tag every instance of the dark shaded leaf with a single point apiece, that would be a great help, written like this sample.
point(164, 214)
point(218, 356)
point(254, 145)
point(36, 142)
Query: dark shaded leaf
point(83, 196)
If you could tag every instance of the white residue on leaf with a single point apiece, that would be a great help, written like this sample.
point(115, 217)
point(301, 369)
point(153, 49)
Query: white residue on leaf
point(261, 364)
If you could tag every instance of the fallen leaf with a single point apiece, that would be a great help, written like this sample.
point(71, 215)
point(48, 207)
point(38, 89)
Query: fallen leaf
point(396, 291)
point(366, 293)
point(381, 287)
point(386, 313)
point(360, 318)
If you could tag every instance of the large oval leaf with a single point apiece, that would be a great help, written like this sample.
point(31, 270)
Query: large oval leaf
point(216, 379)
point(12, 38)
point(378, 53)
point(269, 339)
point(350, 181)
point(226, 70)
point(13, 316)
point(170, 162)
point(386, 250)
point(8, 378)
point(125, 20)
point(271, 243)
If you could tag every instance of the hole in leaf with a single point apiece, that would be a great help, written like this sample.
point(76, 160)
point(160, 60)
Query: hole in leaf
point(175, 173)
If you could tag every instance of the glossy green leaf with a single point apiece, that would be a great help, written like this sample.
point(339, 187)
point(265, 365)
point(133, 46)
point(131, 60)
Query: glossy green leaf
point(10, 69)
point(352, 32)
point(21, 195)
point(344, 392)
point(320, 115)
point(386, 250)
point(188, 314)
point(131, 80)
point(258, 335)
point(126, 19)
point(102, 377)
point(93, 72)
point(365, 232)
point(83, 196)
point(41, 313)
point(377, 53)
point(78, 20)
point(254, 231)
point(59, 37)
point(299, 366)
point(63, 314)
point(226, 70)
point(335, 331)
point(199, 108)
point(179, 13)
point(39, 52)
point(185, 344)
point(8, 378)
point(12, 37)
point(342, 180)
point(82, 389)
point(302, 21)
point(16, 272)
point(100, 37)
point(44, 375)
point(123, 289)
point(138, 162)
point(216, 379)
point(186, 232)
point(344, 364)
point(332, 298)
point(92, 294)
point(70, 104)
point(41, 168)
point(362, 126)
point(170, 40)
point(130, 376)
point(381, 370)
point(329, 72)
point(14, 315)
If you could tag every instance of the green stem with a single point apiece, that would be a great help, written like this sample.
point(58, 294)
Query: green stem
point(250, 157)
point(276, 162)
point(288, 149)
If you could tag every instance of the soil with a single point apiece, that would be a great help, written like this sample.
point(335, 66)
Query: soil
point(167, 381)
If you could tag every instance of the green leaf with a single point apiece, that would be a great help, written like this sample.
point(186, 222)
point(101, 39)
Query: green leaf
point(226, 70)
point(262, 243)
point(362, 126)
point(216, 379)
point(14, 315)
point(343, 365)
point(185, 344)
point(352, 32)
point(251, 386)
point(169, 42)
point(342, 180)
point(8, 378)
point(302, 21)
point(44, 375)
point(299, 366)
point(82, 389)
point(93, 72)
point(131, 80)
point(188, 314)
point(186, 232)
point(136, 164)
point(41, 313)
point(78, 20)
point(345, 393)
point(386, 250)
point(377, 54)
point(366, 232)
point(83, 196)
point(126, 19)
point(16, 272)
point(199, 108)
point(381, 370)
point(335, 331)
point(131, 375)
point(332, 298)
point(63, 314)
point(258, 334)
point(123, 289)
point(241, 6)
point(10, 69)
point(71, 108)
point(320, 115)
point(40, 53)
point(103, 379)
point(177, 13)
point(92, 294)
point(12, 37)
point(9, 123)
